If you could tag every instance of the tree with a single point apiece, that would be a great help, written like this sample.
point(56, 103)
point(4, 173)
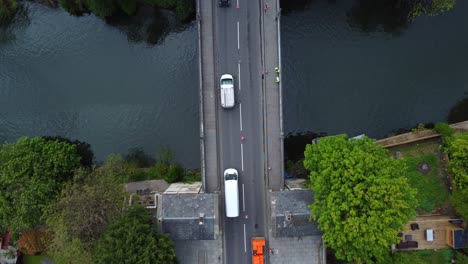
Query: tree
point(83, 149)
point(458, 164)
point(132, 239)
point(86, 206)
point(361, 196)
point(32, 172)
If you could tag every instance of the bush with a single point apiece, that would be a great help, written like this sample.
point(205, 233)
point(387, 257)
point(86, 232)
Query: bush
point(459, 200)
point(445, 130)
point(102, 8)
point(191, 176)
point(184, 10)
point(128, 6)
point(7, 9)
point(461, 258)
point(458, 164)
point(34, 241)
point(75, 7)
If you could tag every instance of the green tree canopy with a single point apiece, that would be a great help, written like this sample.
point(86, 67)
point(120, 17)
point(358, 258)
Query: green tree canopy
point(32, 172)
point(361, 196)
point(86, 206)
point(132, 239)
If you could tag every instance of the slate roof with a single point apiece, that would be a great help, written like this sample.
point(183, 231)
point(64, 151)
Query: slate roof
point(180, 213)
point(293, 205)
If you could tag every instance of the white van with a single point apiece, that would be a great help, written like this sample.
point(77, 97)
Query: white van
point(227, 91)
point(231, 192)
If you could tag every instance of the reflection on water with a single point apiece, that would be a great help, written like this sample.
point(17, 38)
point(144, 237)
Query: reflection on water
point(148, 25)
point(344, 72)
point(80, 78)
point(390, 16)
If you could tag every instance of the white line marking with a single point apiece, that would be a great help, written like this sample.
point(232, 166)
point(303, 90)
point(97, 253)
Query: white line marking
point(238, 43)
point(238, 69)
point(243, 197)
point(240, 111)
point(242, 156)
point(237, 4)
point(245, 241)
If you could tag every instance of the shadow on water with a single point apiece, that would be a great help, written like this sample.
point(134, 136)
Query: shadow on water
point(389, 16)
point(288, 7)
point(294, 147)
point(459, 112)
point(20, 22)
point(295, 143)
point(148, 25)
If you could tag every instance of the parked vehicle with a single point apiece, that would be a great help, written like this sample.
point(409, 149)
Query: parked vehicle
point(227, 91)
point(258, 250)
point(231, 192)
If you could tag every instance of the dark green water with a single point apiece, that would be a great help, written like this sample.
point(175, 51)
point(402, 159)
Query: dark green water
point(111, 86)
point(360, 69)
point(81, 78)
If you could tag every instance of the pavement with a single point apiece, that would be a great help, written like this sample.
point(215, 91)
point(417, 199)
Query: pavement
point(199, 251)
point(208, 96)
point(296, 250)
point(271, 19)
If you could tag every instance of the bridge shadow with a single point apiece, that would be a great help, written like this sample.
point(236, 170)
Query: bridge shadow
point(459, 112)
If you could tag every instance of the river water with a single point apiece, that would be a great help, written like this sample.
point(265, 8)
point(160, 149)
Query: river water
point(84, 79)
point(341, 77)
point(81, 78)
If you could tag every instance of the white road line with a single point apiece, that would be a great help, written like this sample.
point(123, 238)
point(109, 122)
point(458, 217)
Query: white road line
point(237, 4)
point(243, 198)
point(238, 41)
point(238, 74)
point(245, 240)
point(242, 156)
point(240, 113)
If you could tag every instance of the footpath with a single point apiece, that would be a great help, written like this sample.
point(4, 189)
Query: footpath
point(306, 249)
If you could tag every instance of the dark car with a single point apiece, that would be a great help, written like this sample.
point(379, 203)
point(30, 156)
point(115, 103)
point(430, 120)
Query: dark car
point(224, 3)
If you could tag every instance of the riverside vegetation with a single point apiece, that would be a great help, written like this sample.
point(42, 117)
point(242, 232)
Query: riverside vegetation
point(79, 214)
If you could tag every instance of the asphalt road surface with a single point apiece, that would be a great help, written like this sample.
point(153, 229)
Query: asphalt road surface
point(237, 52)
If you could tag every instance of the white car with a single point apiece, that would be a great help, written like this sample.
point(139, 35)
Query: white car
point(231, 192)
point(227, 91)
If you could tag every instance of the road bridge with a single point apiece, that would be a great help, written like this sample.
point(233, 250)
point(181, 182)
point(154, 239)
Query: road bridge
point(242, 40)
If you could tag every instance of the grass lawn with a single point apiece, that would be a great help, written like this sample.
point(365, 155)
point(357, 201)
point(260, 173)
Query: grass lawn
point(431, 188)
point(32, 259)
point(442, 256)
point(421, 148)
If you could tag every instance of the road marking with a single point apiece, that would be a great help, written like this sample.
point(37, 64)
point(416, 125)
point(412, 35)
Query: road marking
point(238, 43)
point(243, 198)
point(238, 74)
point(237, 4)
point(242, 156)
point(245, 241)
point(240, 111)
